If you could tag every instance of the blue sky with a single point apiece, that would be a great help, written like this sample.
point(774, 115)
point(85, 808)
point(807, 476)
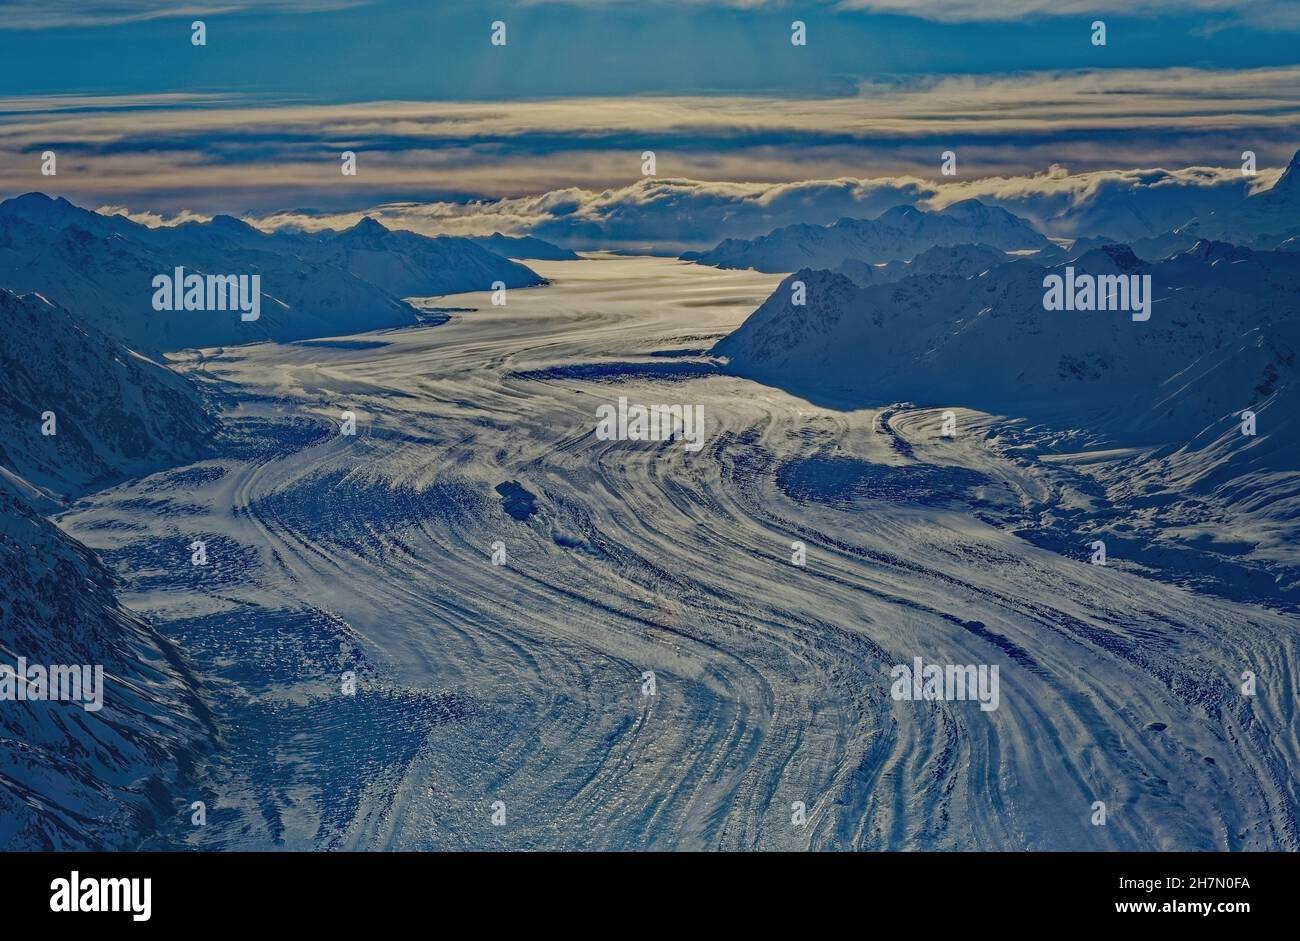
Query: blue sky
point(418, 49)
point(447, 126)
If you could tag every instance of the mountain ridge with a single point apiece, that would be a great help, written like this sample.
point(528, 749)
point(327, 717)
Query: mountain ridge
point(101, 267)
point(898, 234)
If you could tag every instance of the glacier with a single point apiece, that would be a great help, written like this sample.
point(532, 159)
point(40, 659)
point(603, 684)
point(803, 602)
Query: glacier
point(372, 555)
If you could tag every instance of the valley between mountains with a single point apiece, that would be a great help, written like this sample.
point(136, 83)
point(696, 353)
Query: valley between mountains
point(522, 682)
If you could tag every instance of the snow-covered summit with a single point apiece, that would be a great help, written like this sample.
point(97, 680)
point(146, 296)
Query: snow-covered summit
point(898, 234)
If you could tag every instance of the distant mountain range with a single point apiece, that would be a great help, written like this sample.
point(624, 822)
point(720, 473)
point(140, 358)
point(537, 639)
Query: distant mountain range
point(1262, 219)
point(75, 343)
point(965, 324)
point(1155, 221)
point(941, 309)
point(962, 261)
point(406, 264)
point(1222, 314)
point(1267, 221)
point(896, 235)
point(1223, 339)
point(321, 284)
point(523, 247)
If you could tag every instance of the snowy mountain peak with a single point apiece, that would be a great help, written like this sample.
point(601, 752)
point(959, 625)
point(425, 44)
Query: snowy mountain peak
point(988, 342)
point(232, 224)
point(943, 261)
point(1109, 259)
point(369, 234)
point(35, 202)
point(1209, 250)
point(523, 246)
point(43, 210)
point(897, 212)
point(368, 227)
point(1289, 181)
point(897, 234)
point(971, 209)
point(1122, 256)
point(101, 266)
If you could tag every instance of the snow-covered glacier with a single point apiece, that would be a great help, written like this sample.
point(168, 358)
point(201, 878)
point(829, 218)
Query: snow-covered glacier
point(499, 583)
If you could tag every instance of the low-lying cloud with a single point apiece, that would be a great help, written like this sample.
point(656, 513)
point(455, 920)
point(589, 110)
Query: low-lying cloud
point(165, 154)
point(673, 215)
point(1055, 147)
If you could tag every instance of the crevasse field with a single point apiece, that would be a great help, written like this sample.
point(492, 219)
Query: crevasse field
point(523, 682)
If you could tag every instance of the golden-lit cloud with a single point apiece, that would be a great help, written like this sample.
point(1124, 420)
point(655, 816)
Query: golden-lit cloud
point(456, 165)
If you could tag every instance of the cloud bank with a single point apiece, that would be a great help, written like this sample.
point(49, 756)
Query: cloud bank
point(570, 169)
point(236, 154)
point(673, 215)
point(1280, 14)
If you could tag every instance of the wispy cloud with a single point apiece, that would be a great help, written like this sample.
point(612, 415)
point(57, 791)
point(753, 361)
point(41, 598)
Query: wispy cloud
point(207, 154)
point(1280, 14)
point(675, 214)
point(59, 104)
point(48, 14)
